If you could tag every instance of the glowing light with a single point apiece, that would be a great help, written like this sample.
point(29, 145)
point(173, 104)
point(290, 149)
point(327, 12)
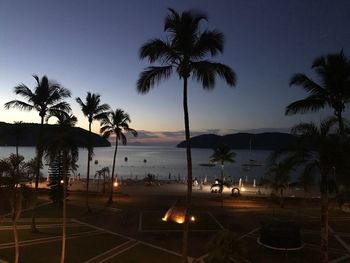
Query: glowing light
point(179, 220)
point(61, 181)
point(115, 184)
point(193, 218)
point(165, 219)
point(242, 189)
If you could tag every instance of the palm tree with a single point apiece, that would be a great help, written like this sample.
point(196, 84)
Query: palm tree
point(93, 110)
point(116, 122)
point(46, 97)
point(184, 51)
point(279, 177)
point(333, 88)
point(13, 176)
point(222, 154)
point(317, 150)
point(63, 148)
point(104, 172)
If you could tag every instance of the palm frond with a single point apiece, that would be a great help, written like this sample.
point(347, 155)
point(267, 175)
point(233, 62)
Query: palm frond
point(311, 103)
point(305, 129)
point(151, 76)
point(61, 106)
point(208, 42)
point(327, 125)
point(19, 105)
point(132, 131)
point(205, 72)
point(123, 139)
point(107, 133)
point(106, 128)
point(24, 91)
point(157, 49)
point(308, 84)
point(80, 102)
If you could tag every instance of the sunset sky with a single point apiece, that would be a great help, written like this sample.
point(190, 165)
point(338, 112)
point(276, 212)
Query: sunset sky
point(93, 46)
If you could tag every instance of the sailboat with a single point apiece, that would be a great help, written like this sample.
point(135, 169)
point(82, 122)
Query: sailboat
point(251, 162)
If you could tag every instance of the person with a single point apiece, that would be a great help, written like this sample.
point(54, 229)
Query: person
point(195, 182)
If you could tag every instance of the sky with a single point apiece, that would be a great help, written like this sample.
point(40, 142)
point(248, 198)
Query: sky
point(88, 45)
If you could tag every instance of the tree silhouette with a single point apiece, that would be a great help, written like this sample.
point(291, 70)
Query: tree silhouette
point(46, 97)
point(183, 51)
point(116, 122)
point(62, 153)
point(93, 110)
point(332, 89)
point(222, 154)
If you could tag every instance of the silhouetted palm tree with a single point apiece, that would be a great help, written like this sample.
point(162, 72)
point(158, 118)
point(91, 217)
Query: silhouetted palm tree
point(279, 177)
point(222, 154)
point(46, 97)
point(332, 89)
point(104, 172)
point(93, 110)
point(318, 150)
point(63, 147)
point(116, 123)
point(184, 51)
point(13, 177)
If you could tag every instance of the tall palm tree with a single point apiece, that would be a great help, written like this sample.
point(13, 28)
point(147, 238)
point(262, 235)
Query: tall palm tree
point(222, 154)
point(93, 110)
point(332, 89)
point(116, 122)
point(318, 149)
point(47, 96)
point(12, 177)
point(184, 50)
point(63, 148)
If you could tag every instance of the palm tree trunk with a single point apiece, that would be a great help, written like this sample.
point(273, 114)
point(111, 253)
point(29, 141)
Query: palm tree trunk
point(37, 174)
point(15, 234)
point(341, 122)
point(189, 175)
point(281, 198)
point(324, 217)
point(16, 208)
point(222, 184)
point(64, 212)
point(110, 201)
point(88, 171)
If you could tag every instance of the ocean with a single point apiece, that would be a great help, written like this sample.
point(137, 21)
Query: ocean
point(162, 161)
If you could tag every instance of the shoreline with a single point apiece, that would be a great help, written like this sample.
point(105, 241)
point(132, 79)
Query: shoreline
point(168, 188)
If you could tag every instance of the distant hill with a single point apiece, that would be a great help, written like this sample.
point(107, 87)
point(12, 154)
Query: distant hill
point(260, 141)
point(30, 132)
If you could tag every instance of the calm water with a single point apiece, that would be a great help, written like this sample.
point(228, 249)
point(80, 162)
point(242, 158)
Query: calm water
point(160, 161)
